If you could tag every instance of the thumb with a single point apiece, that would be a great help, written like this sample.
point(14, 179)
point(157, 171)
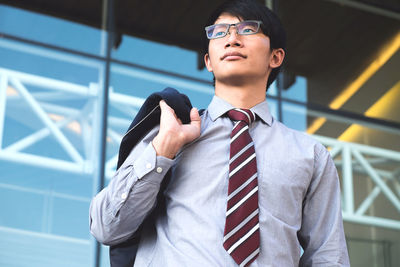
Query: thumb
point(195, 117)
point(163, 105)
point(166, 111)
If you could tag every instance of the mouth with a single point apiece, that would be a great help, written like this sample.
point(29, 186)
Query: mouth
point(232, 56)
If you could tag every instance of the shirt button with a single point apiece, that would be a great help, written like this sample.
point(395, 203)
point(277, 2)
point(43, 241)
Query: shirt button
point(159, 169)
point(148, 165)
point(123, 196)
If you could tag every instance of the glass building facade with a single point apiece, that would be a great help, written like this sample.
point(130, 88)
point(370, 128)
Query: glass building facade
point(67, 97)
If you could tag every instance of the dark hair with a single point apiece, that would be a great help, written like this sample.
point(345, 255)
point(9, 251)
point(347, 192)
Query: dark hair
point(252, 10)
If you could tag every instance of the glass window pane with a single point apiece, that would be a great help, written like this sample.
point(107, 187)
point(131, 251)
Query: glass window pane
point(48, 119)
point(273, 107)
point(272, 90)
point(294, 116)
point(50, 30)
point(297, 91)
point(160, 56)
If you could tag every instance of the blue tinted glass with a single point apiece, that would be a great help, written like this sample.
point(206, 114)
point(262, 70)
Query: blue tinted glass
point(49, 30)
point(294, 116)
point(297, 91)
point(47, 139)
point(159, 56)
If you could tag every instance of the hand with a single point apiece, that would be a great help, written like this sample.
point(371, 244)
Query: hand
point(173, 135)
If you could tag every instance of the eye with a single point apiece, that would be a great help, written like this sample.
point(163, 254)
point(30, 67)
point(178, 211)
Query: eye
point(248, 27)
point(219, 30)
point(218, 33)
point(248, 30)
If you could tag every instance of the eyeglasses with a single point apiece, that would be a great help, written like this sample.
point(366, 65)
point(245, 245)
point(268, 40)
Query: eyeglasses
point(246, 27)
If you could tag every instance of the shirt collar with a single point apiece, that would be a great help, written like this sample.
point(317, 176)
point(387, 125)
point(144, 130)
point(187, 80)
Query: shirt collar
point(219, 107)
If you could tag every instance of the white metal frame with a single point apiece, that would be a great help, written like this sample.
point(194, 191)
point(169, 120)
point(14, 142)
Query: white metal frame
point(366, 160)
point(41, 104)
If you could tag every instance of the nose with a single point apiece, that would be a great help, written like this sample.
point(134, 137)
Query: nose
point(233, 38)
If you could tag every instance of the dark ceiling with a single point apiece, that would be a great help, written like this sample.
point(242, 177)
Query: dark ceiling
point(328, 42)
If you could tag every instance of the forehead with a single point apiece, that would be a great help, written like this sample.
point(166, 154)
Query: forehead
point(227, 18)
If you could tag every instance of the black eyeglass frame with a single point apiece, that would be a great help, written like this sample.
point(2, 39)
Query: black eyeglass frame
point(228, 26)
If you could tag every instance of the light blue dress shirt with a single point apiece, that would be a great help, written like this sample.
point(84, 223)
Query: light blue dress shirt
point(299, 198)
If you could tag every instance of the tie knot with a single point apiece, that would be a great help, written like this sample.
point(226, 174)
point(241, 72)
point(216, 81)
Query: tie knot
point(245, 115)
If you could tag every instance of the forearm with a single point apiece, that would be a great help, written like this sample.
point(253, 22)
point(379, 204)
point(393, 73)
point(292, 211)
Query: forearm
point(120, 208)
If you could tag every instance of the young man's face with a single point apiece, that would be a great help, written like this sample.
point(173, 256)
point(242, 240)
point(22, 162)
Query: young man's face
point(238, 58)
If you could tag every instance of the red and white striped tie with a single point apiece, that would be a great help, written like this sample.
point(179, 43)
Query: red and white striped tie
point(241, 234)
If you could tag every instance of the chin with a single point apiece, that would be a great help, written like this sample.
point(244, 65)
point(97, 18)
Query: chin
point(233, 79)
point(238, 77)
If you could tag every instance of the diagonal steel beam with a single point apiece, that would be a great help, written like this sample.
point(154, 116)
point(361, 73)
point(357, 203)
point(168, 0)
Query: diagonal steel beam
point(377, 179)
point(368, 201)
point(35, 137)
point(335, 150)
point(64, 142)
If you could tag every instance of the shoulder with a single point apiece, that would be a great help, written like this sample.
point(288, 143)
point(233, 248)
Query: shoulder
point(300, 140)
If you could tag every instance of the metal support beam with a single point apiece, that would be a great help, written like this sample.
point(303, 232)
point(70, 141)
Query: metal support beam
point(368, 201)
point(68, 147)
point(372, 221)
point(35, 137)
point(348, 189)
point(377, 179)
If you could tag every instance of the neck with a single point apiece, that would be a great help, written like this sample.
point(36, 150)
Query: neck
point(241, 96)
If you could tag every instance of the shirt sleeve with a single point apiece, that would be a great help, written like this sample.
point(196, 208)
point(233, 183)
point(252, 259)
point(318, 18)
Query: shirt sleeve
point(117, 211)
point(321, 235)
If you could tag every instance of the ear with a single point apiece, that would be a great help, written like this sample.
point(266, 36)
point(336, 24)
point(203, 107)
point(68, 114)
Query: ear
point(207, 62)
point(276, 58)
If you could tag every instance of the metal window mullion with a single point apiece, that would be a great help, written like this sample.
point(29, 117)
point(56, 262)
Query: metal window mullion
point(3, 98)
point(102, 106)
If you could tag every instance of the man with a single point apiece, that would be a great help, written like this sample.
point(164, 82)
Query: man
point(244, 189)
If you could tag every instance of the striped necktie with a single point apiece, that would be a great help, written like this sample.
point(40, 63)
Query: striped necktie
point(241, 234)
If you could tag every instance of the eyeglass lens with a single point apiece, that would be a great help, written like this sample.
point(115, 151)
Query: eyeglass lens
point(242, 28)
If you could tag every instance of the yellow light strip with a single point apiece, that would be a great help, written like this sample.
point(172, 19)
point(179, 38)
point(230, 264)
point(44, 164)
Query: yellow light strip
point(387, 52)
point(315, 125)
point(378, 109)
